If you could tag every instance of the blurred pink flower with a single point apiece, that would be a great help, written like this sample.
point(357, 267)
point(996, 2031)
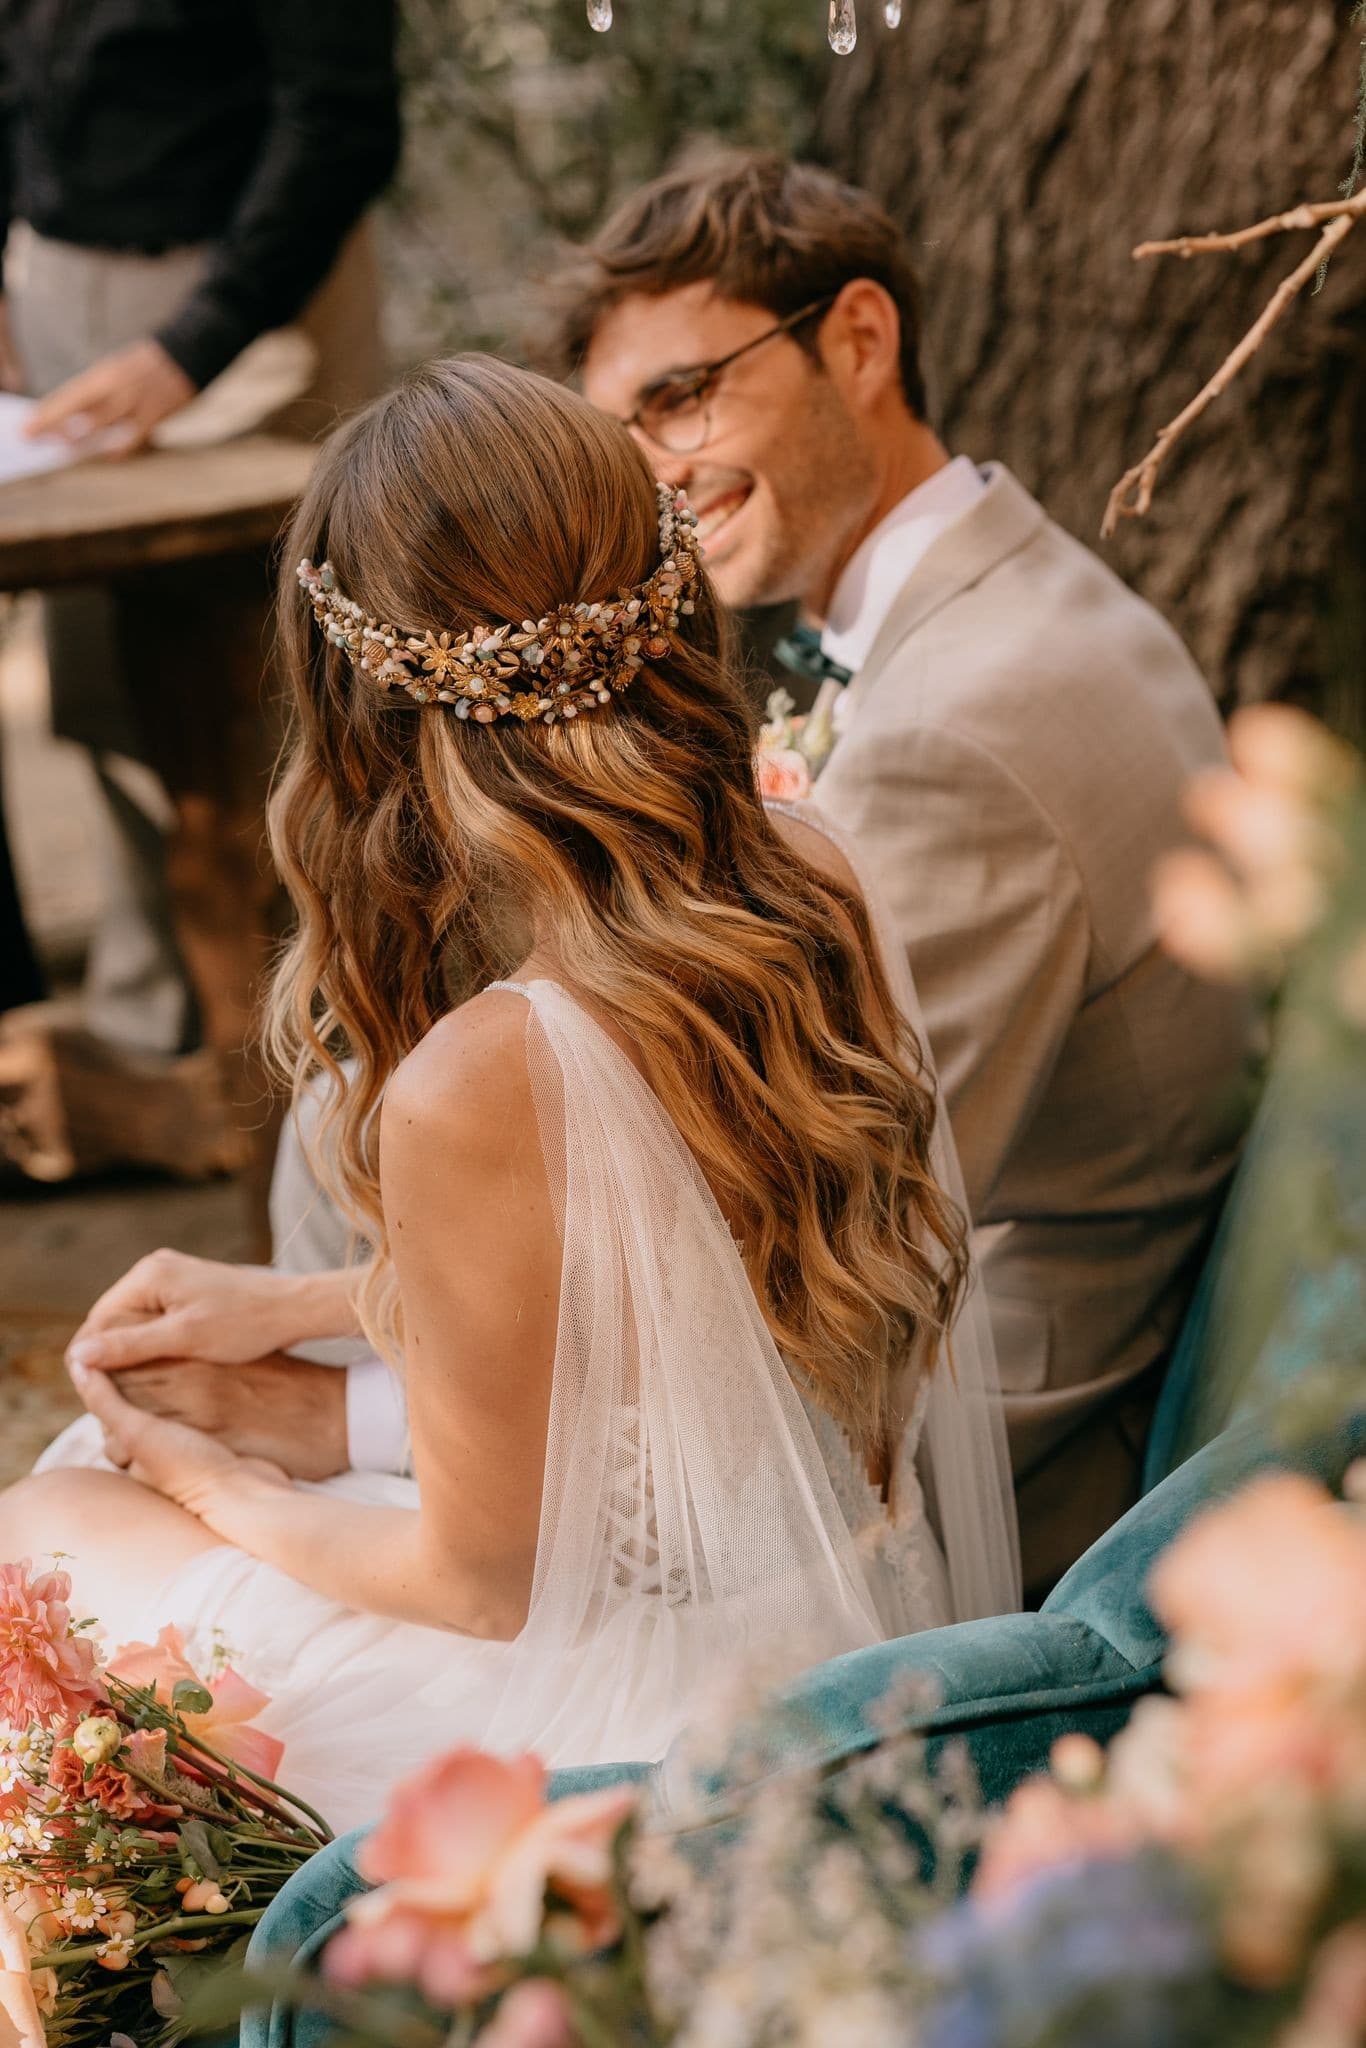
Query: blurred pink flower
point(1043, 1826)
point(46, 1673)
point(1203, 920)
point(21, 2024)
point(1278, 847)
point(224, 1728)
point(34, 1906)
point(534, 2014)
point(1278, 747)
point(784, 775)
point(1275, 1867)
point(462, 1861)
point(1334, 2011)
point(1266, 1589)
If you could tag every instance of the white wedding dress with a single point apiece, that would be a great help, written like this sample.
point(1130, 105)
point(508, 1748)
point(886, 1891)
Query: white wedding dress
point(696, 1512)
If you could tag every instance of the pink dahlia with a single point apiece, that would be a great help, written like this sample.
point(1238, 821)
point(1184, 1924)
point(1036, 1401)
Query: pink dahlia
point(47, 1674)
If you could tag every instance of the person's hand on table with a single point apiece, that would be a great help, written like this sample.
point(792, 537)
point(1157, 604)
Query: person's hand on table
point(173, 1306)
point(286, 1410)
point(189, 1467)
point(120, 399)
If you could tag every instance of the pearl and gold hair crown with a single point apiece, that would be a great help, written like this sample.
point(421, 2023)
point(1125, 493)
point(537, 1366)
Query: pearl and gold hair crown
point(570, 661)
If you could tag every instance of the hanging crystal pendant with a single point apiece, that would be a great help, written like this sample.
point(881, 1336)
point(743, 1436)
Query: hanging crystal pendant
point(891, 13)
point(600, 15)
point(843, 27)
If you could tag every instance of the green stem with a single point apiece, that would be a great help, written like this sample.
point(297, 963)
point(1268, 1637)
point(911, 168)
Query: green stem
point(175, 1726)
point(264, 1786)
point(60, 1958)
point(587, 2023)
point(357, 2012)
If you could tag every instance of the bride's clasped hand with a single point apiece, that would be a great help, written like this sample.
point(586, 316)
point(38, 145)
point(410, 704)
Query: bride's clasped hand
point(172, 1305)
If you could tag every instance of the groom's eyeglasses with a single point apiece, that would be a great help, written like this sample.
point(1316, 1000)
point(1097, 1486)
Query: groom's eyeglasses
point(676, 415)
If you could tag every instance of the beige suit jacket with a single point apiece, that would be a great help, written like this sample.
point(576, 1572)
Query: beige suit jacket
point(1017, 745)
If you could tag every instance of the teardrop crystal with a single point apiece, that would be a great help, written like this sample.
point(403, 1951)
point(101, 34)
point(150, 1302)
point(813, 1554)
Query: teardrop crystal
point(600, 15)
point(891, 13)
point(843, 27)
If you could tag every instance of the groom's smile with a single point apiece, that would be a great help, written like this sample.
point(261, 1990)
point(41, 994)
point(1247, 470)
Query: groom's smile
point(717, 505)
point(731, 408)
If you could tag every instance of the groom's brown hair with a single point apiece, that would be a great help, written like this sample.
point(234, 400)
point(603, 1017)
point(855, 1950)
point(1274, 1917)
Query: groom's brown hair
point(764, 230)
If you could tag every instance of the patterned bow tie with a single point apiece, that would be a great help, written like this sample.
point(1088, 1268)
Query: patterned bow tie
point(800, 650)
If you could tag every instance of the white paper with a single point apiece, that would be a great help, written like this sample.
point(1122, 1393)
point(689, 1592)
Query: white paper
point(20, 457)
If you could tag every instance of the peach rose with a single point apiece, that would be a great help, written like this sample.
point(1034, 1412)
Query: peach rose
point(462, 1862)
point(225, 1727)
point(47, 1674)
point(1266, 1589)
point(784, 776)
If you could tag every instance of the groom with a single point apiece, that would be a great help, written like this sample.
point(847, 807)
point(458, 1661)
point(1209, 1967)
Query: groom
point(1013, 746)
point(1012, 749)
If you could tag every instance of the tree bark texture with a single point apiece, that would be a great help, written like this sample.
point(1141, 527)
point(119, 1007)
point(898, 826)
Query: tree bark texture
point(1026, 146)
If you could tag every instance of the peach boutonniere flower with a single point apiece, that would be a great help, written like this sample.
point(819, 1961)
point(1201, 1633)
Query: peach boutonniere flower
point(794, 746)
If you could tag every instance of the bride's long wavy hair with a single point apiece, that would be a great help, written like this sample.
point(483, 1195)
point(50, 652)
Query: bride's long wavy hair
point(419, 848)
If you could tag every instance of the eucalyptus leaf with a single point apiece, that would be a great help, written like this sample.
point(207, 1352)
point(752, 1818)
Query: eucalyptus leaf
point(190, 1697)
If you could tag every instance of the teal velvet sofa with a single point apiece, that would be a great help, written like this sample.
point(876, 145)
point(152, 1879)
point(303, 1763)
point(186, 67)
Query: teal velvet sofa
point(1009, 1686)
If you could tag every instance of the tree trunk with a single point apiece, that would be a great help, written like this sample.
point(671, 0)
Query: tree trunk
point(1026, 146)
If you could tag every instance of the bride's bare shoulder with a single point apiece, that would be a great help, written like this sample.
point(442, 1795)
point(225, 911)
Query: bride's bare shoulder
point(466, 1084)
point(815, 846)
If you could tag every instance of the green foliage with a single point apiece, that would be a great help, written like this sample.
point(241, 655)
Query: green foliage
point(1349, 183)
point(525, 125)
point(1359, 152)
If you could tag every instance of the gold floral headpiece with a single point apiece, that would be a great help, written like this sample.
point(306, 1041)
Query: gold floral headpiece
point(551, 668)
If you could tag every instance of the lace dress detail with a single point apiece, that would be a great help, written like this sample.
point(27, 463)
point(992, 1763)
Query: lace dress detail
point(897, 1548)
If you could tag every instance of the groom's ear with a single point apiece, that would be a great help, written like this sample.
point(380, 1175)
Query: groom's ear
point(860, 344)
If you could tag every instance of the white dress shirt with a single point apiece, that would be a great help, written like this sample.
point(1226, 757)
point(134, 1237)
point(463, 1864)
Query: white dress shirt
point(879, 566)
point(376, 1418)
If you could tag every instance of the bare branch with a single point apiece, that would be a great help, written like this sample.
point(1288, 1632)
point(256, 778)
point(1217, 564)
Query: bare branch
point(1303, 216)
point(1133, 494)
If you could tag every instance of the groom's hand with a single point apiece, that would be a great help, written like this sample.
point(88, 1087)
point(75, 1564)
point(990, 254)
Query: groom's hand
point(283, 1409)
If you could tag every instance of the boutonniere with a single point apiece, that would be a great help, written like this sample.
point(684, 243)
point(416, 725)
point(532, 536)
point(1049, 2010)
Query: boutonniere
point(794, 746)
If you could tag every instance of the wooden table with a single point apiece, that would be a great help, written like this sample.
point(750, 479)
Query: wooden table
point(98, 520)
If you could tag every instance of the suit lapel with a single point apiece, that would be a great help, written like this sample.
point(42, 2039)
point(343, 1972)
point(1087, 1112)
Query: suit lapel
point(1004, 519)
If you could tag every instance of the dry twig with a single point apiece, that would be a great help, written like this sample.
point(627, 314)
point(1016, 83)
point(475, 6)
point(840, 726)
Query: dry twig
point(1133, 494)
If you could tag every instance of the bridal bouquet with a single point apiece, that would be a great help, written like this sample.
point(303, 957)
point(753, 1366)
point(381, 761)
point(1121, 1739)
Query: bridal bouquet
point(140, 1831)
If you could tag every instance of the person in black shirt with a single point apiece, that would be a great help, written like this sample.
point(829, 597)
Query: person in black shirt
point(259, 132)
point(178, 178)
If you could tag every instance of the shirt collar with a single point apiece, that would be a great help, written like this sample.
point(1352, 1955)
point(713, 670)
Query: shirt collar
point(880, 565)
